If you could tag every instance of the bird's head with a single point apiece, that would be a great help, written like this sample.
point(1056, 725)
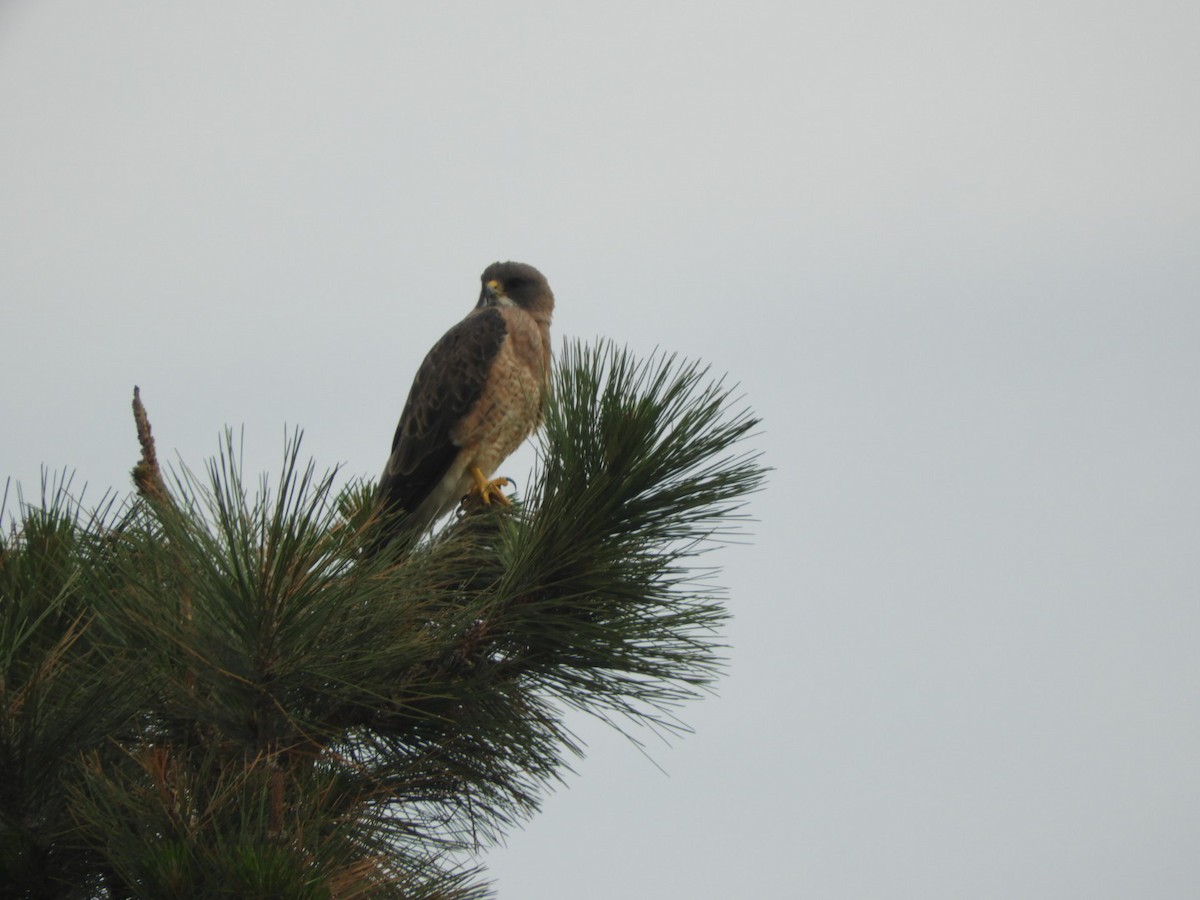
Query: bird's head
point(517, 284)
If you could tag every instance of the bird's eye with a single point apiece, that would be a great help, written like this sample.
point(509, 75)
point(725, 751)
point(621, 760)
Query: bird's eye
point(514, 283)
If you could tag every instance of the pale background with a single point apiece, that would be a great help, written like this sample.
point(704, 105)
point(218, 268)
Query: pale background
point(950, 250)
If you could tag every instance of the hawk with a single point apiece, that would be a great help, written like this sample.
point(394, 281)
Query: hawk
point(476, 397)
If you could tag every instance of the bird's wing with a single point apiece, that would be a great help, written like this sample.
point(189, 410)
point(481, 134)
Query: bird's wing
point(448, 384)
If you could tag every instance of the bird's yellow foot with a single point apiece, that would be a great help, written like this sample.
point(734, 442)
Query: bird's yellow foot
point(486, 490)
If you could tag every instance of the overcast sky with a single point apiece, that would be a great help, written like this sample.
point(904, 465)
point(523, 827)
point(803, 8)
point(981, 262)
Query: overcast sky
point(951, 251)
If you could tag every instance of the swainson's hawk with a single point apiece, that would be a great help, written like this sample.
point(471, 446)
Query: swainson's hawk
point(476, 397)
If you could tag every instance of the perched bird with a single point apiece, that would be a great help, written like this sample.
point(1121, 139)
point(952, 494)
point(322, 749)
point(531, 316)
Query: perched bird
point(475, 398)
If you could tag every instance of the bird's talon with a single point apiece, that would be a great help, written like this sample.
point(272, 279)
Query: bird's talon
point(487, 491)
point(491, 491)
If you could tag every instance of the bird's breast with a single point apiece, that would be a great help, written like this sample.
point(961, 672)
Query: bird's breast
point(509, 406)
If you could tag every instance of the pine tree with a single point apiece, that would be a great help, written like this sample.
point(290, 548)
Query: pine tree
point(208, 691)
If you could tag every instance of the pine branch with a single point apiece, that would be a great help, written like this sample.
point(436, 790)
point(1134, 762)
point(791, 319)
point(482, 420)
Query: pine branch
point(605, 607)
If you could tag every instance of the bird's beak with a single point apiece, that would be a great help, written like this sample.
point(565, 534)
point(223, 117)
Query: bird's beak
point(490, 295)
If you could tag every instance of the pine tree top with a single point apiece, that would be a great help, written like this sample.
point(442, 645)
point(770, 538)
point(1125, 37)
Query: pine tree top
point(210, 691)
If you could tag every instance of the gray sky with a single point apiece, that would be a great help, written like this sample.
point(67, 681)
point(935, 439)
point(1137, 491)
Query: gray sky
point(950, 251)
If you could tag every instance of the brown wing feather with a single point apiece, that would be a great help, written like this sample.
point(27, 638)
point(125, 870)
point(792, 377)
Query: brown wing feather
point(449, 383)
